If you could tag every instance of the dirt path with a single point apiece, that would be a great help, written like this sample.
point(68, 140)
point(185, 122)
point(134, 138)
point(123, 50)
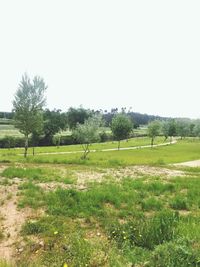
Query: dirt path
point(193, 163)
point(105, 150)
point(12, 220)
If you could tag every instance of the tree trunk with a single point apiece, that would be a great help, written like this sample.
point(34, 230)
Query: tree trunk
point(118, 144)
point(26, 146)
point(151, 142)
point(86, 151)
point(33, 151)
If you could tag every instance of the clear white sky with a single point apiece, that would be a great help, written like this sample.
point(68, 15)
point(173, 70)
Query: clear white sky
point(104, 54)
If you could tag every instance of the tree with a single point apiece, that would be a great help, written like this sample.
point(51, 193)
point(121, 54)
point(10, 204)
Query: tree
point(54, 122)
point(56, 140)
point(196, 129)
point(28, 103)
point(153, 130)
point(172, 129)
point(183, 128)
point(77, 115)
point(165, 129)
point(88, 133)
point(121, 127)
point(169, 129)
point(36, 134)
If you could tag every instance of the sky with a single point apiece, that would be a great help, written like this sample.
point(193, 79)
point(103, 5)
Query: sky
point(104, 54)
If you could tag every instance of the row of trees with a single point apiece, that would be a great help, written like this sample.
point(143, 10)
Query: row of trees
point(33, 121)
point(172, 127)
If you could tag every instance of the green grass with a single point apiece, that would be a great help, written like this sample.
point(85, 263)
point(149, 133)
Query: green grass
point(38, 174)
point(131, 221)
point(136, 219)
point(182, 151)
point(139, 141)
point(9, 130)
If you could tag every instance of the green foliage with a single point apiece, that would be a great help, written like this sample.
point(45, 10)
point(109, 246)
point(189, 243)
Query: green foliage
point(38, 174)
point(88, 133)
point(27, 105)
point(175, 254)
point(54, 122)
point(33, 227)
point(3, 263)
point(183, 128)
point(121, 127)
point(77, 116)
point(146, 233)
point(179, 203)
point(169, 128)
point(151, 204)
point(153, 130)
point(33, 195)
point(33, 173)
point(56, 140)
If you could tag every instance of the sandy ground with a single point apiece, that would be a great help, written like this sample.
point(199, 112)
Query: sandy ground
point(12, 220)
point(193, 163)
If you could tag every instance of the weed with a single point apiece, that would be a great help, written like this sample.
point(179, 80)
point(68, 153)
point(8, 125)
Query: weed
point(179, 203)
point(151, 204)
point(173, 254)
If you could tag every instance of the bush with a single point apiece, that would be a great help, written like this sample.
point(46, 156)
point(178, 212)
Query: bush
point(33, 227)
point(175, 254)
point(11, 142)
point(146, 233)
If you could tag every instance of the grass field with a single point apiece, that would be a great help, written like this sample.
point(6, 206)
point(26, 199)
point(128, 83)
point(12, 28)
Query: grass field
point(118, 208)
point(9, 130)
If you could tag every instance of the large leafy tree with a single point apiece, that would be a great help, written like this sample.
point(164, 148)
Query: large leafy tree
point(88, 133)
point(183, 128)
point(153, 130)
point(169, 129)
point(28, 103)
point(77, 116)
point(121, 127)
point(196, 129)
point(54, 122)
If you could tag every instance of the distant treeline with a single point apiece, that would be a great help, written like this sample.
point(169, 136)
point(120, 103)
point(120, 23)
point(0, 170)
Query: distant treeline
point(137, 118)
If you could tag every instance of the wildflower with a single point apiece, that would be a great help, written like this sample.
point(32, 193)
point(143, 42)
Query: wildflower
point(56, 232)
point(65, 265)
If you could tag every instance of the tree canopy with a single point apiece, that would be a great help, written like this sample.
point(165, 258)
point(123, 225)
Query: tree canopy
point(88, 133)
point(28, 103)
point(121, 127)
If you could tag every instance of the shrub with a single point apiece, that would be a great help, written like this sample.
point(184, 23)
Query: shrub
point(33, 227)
point(175, 254)
point(146, 233)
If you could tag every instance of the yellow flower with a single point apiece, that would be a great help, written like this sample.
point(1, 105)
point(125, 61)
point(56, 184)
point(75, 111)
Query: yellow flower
point(65, 265)
point(56, 232)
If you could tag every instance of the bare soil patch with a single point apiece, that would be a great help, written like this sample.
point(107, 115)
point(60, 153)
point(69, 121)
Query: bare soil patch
point(11, 221)
point(193, 163)
point(132, 171)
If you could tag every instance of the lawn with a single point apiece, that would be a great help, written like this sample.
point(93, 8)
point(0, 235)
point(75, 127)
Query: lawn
point(109, 210)
point(183, 150)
